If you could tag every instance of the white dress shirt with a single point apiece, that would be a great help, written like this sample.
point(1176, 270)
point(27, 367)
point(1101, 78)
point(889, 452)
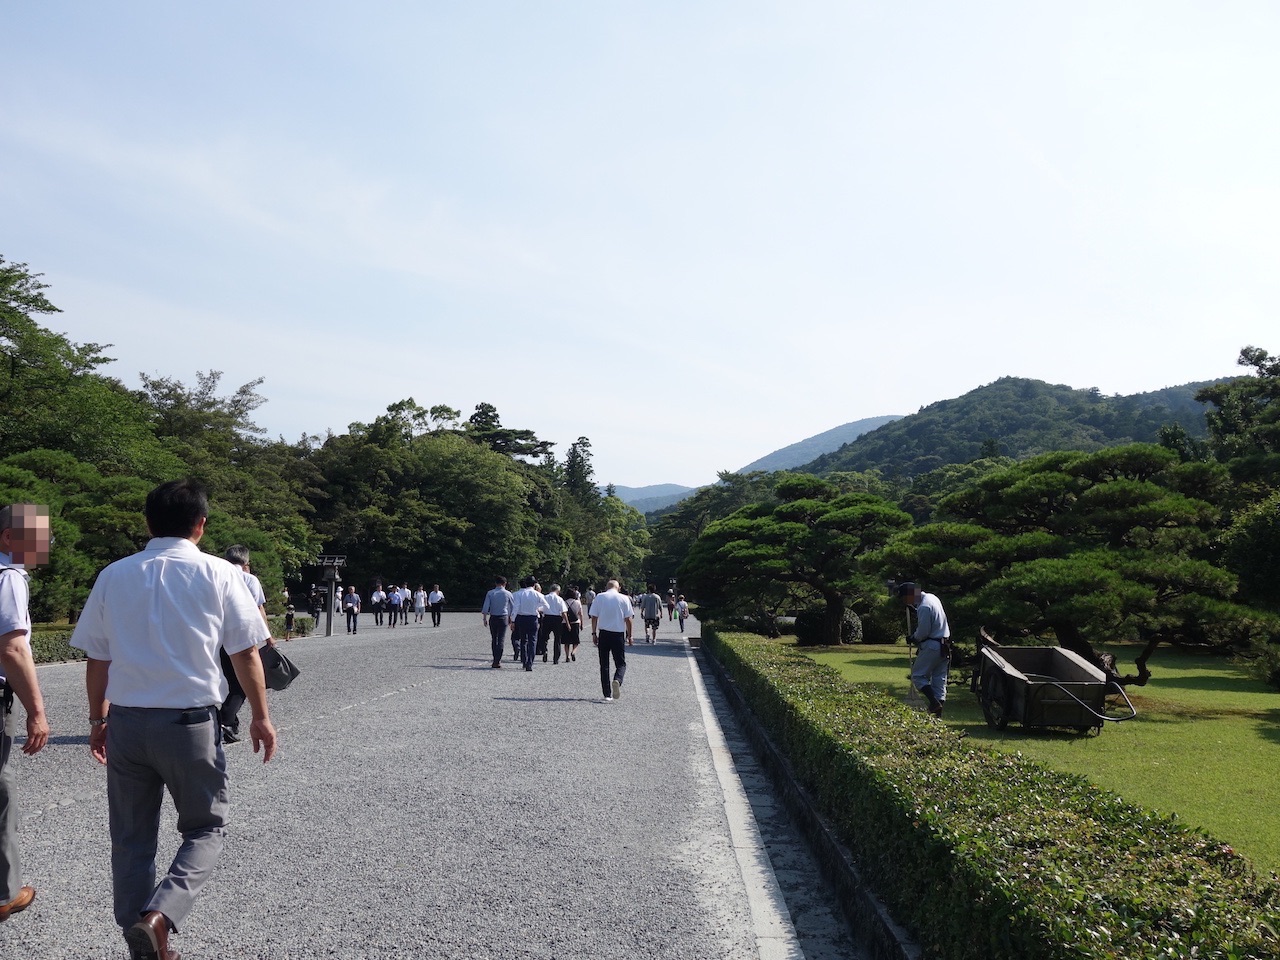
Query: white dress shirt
point(159, 617)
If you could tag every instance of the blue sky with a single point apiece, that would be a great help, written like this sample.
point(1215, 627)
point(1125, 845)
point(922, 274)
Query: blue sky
point(693, 232)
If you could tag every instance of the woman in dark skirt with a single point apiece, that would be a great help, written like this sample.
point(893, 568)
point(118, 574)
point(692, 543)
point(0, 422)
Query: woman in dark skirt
point(574, 633)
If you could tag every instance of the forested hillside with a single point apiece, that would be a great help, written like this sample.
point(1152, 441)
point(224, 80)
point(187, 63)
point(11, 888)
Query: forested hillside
point(1015, 417)
point(799, 453)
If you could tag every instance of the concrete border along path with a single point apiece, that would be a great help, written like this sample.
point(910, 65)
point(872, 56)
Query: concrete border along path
point(425, 805)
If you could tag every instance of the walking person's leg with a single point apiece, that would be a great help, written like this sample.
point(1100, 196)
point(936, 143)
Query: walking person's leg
point(603, 650)
point(10, 868)
point(620, 665)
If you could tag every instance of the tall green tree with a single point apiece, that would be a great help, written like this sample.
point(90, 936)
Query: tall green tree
point(810, 541)
point(1085, 547)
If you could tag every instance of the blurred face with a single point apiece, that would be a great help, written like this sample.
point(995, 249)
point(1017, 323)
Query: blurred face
point(29, 539)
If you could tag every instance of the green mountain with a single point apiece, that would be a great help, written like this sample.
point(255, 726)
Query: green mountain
point(804, 451)
point(1018, 418)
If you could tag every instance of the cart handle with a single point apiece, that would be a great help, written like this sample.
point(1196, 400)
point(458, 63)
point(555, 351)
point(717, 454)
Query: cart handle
point(1101, 716)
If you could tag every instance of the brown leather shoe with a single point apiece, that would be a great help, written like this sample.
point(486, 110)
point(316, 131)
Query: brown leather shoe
point(148, 939)
point(18, 903)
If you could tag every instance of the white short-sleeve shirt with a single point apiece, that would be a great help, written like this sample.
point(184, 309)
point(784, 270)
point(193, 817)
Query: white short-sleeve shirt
point(612, 611)
point(14, 601)
point(160, 617)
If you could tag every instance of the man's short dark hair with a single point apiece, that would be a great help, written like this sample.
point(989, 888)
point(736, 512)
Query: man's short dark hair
point(907, 589)
point(238, 554)
point(499, 581)
point(175, 509)
point(528, 581)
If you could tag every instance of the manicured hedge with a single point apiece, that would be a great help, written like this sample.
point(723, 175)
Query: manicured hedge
point(988, 855)
point(51, 646)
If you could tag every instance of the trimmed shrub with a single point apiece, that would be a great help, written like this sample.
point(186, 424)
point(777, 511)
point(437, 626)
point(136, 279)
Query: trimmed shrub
point(303, 626)
point(987, 855)
point(51, 646)
point(809, 627)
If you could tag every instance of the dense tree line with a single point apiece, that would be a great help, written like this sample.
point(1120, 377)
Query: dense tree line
point(417, 495)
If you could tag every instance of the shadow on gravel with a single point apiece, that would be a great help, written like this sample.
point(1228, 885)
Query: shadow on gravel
point(60, 741)
point(548, 699)
point(661, 648)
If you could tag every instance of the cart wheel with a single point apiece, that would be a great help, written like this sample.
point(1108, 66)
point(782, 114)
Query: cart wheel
point(992, 700)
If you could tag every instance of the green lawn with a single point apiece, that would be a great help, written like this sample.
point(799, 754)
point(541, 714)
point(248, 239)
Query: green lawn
point(1205, 744)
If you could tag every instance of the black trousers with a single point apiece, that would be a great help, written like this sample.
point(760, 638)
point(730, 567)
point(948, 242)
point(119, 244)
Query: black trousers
point(612, 643)
point(498, 634)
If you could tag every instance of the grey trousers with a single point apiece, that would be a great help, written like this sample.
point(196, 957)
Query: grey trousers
point(149, 750)
point(10, 868)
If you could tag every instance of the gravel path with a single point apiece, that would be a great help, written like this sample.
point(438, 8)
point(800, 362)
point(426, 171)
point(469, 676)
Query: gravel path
point(424, 805)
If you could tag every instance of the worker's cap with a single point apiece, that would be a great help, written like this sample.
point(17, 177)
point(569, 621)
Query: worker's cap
point(907, 589)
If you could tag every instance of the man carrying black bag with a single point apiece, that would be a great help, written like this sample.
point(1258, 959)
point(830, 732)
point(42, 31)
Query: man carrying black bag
point(229, 714)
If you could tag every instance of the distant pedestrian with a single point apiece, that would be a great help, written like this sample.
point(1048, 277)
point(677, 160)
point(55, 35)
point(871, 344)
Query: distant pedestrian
point(419, 604)
point(933, 643)
point(682, 612)
point(394, 601)
point(527, 604)
point(315, 601)
point(351, 605)
point(378, 603)
point(671, 606)
point(555, 624)
point(497, 615)
point(575, 616)
point(229, 713)
point(288, 623)
point(24, 543)
point(587, 596)
point(436, 600)
point(611, 616)
point(651, 611)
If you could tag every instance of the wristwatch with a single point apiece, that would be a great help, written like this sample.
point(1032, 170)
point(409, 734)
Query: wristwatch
point(97, 723)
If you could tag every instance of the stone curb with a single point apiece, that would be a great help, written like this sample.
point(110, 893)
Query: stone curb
point(882, 936)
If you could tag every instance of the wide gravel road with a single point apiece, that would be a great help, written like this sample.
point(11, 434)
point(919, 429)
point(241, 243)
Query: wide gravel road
point(425, 805)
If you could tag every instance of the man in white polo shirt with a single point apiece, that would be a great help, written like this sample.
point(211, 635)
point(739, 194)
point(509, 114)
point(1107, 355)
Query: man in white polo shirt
point(152, 628)
point(611, 615)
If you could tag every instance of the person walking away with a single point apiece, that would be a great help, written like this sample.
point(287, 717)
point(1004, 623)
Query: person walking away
point(611, 616)
point(436, 600)
point(24, 543)
point(574, 634)
point(526, 605)
point(288, 623)
point(933, 643)
point(151, 630)
point(682, 612)
point(556, 623)
point(406, 603)
point(671, 606)
point(496, 614)
point(393, 607)
point(651, 611)
point(229, 714)
point(316, 605)
point(351, 604)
